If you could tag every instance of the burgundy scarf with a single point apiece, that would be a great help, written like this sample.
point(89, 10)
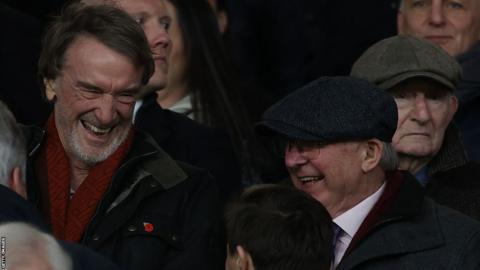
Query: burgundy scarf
point(69, 218)
point(394, 182)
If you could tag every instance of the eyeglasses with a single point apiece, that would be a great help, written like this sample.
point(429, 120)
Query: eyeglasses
point(307, 149)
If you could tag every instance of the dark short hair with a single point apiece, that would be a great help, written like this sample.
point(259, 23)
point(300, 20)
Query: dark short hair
point(111, 26)
point(281, 228)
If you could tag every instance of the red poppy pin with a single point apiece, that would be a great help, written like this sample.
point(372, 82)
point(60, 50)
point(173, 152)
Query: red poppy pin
point(148, 227)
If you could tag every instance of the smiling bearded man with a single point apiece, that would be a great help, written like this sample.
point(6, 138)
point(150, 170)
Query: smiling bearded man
point(95, 178)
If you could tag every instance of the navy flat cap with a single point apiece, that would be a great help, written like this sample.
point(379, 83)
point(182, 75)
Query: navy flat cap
point(333, 109)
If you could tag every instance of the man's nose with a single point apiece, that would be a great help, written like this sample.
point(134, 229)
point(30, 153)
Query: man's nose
point(437, 14)
point(421, 110)
point(294, 157)
point(106, 111)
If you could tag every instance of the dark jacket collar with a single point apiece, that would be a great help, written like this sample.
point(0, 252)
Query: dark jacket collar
point(403, 228)
point(399, 200)
point(451, 154)
point(160, 126)
point(15, 208)
point(160, 165)
point(405, 201)
point(470, 56)
point(468, 88)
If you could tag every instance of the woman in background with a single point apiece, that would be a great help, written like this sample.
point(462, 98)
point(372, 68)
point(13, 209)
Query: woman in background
point(201, 83)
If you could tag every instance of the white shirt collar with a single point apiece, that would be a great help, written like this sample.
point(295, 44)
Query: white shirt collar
point(137, 106)
point(351, 220)
point(183, 106)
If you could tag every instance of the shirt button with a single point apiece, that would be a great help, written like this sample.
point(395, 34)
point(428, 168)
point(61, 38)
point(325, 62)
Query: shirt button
point(153, 184)
point(95, 237)
point(132, 228)
point(174, 238)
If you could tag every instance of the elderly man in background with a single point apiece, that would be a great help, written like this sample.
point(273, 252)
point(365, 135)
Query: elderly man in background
point(337, 134)
point(95, 178)
point(422, 78)
point(454, 26)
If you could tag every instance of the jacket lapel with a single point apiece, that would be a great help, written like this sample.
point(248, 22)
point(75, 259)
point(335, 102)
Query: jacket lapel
point(151, 176)
point(403, 228)
point(403, 238)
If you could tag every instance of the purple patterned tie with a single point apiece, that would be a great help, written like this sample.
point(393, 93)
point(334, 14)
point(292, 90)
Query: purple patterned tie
point(336, 233)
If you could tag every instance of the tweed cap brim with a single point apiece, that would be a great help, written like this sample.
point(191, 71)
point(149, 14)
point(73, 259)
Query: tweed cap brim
point(332, 109)
point(396, 59)
point(387, 84)
point(270, 127)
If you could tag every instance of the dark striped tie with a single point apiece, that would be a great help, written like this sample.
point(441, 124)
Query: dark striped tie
point(336, 233)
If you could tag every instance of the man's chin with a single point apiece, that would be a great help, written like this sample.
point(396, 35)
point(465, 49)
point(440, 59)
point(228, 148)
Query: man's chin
point(91, 157)
point(416, 153)
point(155, 84)
point(94, 154)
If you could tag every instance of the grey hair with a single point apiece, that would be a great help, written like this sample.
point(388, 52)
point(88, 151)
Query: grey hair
point(25, 246)
point(389, 160)
point(12, 145)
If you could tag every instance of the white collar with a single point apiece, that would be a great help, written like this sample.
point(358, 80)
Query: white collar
point(351, 220)
point(137, 106)
point(183, 106)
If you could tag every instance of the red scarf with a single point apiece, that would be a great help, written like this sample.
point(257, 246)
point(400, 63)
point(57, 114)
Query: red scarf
point(69, 218)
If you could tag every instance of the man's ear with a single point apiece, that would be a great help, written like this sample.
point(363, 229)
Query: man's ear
point(49, 89)
point(16, 183)
point(453, 105)
point(244, 260)
point(372, 155)
point(222, 18)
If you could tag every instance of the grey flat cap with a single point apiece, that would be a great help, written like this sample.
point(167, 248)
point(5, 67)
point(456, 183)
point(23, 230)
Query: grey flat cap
point(332, 109)
point(396, 59)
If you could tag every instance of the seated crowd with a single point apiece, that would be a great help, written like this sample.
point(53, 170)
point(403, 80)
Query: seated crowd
point(149, 161)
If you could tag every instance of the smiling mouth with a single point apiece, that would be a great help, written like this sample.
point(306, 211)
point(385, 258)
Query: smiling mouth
point(96, 130)
point(419, 134)
point(310, 179)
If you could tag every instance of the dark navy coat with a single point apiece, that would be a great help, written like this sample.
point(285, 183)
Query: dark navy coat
point(156, 214)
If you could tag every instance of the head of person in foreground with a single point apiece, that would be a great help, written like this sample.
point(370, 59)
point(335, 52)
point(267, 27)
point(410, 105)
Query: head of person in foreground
point(277, 227)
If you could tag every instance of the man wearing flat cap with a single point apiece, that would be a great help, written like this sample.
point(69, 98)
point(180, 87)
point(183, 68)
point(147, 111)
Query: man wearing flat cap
point(455, 27)
point(422, 77)
point(337, 133)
